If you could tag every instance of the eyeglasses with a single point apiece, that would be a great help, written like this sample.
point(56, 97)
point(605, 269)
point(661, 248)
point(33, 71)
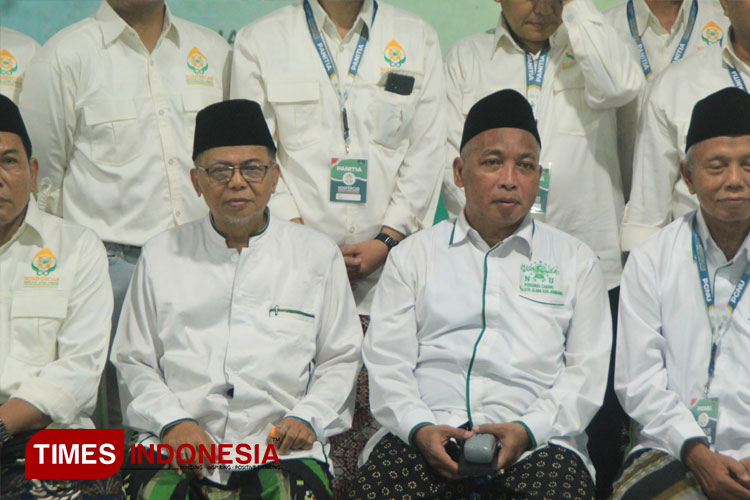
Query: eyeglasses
point(223, 174)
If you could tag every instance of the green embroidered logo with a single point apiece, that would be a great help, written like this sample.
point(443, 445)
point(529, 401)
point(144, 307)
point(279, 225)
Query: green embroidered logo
point(44, 262)
point(539, 277)
point(197, 62)
point(395, 55)
point(711, 33)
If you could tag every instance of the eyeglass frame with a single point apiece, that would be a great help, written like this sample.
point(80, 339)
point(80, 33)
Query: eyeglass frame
point(232, 168)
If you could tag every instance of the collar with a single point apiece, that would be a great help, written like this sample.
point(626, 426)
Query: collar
point(365, 16)
point(32, 221)
point(503, 35)
point(644, 16)
point(730, 57)
point(216, 236)
point(711, 247)
point(462, 231)
point(112, 25)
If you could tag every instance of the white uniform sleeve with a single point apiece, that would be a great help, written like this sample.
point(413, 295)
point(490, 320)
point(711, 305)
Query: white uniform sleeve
point(148, 403)
point(68, 385)
point(247, 83)
point(328, 405)
point(48, 108)
point(453, 196)
point(391, 347)
point(640, 372)
point(566, 408)
point(655, 172)
point(420, 172)
point(612, 78)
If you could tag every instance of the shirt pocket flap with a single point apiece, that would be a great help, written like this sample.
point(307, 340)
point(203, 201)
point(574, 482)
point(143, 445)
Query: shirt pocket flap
point(569, 78)
point(291, 92)
point(194, 101)
point(109, 111)
point(30, 306)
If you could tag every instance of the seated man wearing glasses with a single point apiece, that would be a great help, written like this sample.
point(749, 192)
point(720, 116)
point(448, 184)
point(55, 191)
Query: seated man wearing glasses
point(239, 328)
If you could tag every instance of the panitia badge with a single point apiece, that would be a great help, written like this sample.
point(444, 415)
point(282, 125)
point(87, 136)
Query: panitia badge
point(349, 180)
point(706, 414)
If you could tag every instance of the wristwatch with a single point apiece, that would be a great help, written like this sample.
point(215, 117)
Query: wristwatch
point(5, 436)
point(389, 241)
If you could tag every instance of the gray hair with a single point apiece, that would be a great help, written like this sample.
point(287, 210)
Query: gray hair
point(689, 158)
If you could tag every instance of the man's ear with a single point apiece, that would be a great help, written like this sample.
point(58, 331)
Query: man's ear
point(458, 170)
point(194, 180)
point(34, 166)
point(724, 5)
point(275, 172)
point(687, 174)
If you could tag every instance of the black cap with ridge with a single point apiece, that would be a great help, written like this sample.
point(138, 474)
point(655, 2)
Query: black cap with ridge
point(11, 121)
point(237, 122)
point(503, 109)
point(723, 113)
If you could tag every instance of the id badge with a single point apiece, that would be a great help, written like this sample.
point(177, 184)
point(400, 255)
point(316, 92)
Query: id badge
point(706, 413)
point(540, 204)
point(349, 180)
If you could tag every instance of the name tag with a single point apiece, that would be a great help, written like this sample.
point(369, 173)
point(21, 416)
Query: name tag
point(349, 180)
point(706, 413)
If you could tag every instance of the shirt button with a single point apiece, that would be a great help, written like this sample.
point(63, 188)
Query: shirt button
point(171, 162)
point(161, 112)
point(178, 213)
point(351, 229)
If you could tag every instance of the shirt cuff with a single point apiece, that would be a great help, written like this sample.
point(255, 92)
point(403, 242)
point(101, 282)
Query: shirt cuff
point(282, 206)
point(633, 234)
point(50, 399)
point(532, 438)
point(167, 417)
point(411, 422)
point(679, 433)
point(538, 426)
point(401, 220)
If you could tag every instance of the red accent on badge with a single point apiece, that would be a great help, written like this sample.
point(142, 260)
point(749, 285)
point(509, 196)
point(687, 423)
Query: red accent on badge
point(74, 453)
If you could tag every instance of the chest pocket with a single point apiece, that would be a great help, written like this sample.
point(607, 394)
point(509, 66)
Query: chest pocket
point(298, 112)
point(573, 115)
point(112, 131)
point(392, 114)
point(34, 324)
point(192, 102)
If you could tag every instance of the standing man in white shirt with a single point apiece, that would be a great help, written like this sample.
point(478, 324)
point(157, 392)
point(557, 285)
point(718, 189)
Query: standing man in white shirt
point(353, 93)
point(660, 32)
point(111, 103)
point(16, 52)
point(491, 324)
point(684, 341)
point(658, 194)
point(575, 71)
point(55, 311)
point(240, 322)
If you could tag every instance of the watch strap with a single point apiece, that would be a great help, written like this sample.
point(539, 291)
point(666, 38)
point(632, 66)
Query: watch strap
point(388, 240)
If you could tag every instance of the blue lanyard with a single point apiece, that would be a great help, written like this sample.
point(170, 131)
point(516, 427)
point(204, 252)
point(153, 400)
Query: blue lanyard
point(679, 51)
point(719, 322)
point(327, 60)
point(535, 77)
point(737, 78)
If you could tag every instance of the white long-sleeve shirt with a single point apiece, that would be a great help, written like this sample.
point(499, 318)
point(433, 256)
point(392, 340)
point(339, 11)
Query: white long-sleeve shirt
point(16, 52)
point(659, 194)
point(403, 136)
point(589, 74)
point(711, 26)
point(55, 314)
point(275, 325)
point(112, 124)
point(519, 332)
point(664, 342)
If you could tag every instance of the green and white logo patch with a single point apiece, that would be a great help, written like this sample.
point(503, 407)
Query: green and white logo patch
point(541, 278)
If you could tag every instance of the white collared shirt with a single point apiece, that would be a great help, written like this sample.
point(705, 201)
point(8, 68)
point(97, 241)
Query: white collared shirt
point(402, 136)
point(275, 324)
point(529, 319)
point(112, 125)
point(664, 342)
point(659, 193)
point(16, 52)
point(55, 313)
point(589, 75)
point(710, 28)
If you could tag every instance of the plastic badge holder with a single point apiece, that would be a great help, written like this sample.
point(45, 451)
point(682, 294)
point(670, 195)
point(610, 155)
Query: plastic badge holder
point(479, 456)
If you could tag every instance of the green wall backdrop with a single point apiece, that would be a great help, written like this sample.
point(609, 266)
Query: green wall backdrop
point(453, 19)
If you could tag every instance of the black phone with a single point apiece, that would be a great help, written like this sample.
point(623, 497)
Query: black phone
point(399, 84)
